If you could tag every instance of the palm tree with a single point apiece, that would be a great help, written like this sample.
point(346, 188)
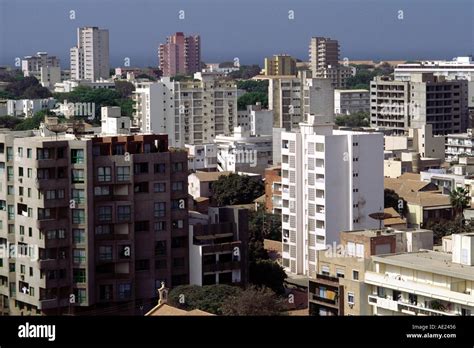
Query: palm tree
point(460, 199)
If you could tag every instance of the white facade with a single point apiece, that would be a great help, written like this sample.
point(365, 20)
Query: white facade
point(191, 112)
point(242, 152)
point(425, 282)
point(331, 181)
point(255, 119)
point(70, 85)
point(28, 107)
point(112, 122)
point(459, 144)
point(90, 57)
point(31, 65)
point(49, 76)
point(351, 101)
point(202, 157)
point(458, 68)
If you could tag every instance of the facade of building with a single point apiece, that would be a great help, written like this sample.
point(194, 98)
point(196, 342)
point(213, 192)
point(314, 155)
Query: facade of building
point(255, 119)
point(191, 112)
point(217, 252)
point(200, 183)
point(202, 157)
point(180, 55)
point(331, 181)
point(339, 287)
point(31, 65)
point(241, 152)
point(290, 98)
point(424, 282)
point(280, 64)
point(273, 190)
point(424, 99)
point(103, 221)
point(458, 68)
point(324, 61)
point(28, 107)
point(459, 144)
point(112, 121)
point(90, 57)
point(351, 101)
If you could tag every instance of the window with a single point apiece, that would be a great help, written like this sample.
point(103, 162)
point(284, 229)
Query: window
point(177, 186)
point(78, 216)
point(29, 153)
point(355, 275)
point(339, 273)
point(178, 242)
point(80, 295)
point(178, 223)
point(360, 250)
point(41, 154)
point(142, 265)
point(79, 255)
point(77, 156)
point(159, 187)
point(141, 187)
point(78, 196)
point(178, 204)
point(101, 191)
point(29, 172)
point(142, 226)
point(140, 168)
point(102, 229)
point(77, 176)
point(79, 235)
point(105, 253)
point(350, 298)
point(160, 248)
point(325, 270)
point(123, 213)
point(160, 168)
point(79, 275)
point(105, 213)
point(160, 209)
point(178, 167)
point(160, 226)
point(123, 173)
point(44, 214)
point(106, 292)
point(125, 291)
point(62, 233)
point(104, 174)
point(20, 171)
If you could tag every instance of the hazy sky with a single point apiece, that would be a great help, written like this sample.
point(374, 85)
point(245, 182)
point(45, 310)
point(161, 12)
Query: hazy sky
point(247, 29)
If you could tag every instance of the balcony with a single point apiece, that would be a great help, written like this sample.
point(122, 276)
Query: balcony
point(48, 303)
point(219, 267)
point(406, 307)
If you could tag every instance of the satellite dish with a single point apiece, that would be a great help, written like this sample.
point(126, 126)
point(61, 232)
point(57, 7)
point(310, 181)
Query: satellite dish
point(380, 216)
point(57, 128)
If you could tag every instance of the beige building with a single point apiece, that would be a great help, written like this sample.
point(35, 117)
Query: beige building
point(424, 282)
point(280, 64)
point(351, 101)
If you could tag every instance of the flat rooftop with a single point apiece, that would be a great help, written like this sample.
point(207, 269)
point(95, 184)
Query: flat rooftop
point(428, 261)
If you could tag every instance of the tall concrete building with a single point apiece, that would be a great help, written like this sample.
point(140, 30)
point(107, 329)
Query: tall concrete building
point(180, 55)
point(290, 98)
point(331, 181)
point(100, 222)
point(425, 99)
point(31, 65)
point(191, 112)
point(280, 64)
point(90, 57)
point(324, 61)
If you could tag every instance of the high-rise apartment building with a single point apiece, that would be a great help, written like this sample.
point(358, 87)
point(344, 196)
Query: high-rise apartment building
point(324, 61)
point(31, 65)
point(290, 98)
point(100, 222)
point(180, 55)
point(191, 112)
point(90, 57)
point(281, 64)
point(426, 99)
point(331, 181)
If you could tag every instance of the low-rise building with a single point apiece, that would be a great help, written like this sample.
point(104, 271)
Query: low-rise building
point(217, 246)
point(273, 189)
point(202, 157)
point(351, 101)
point(28, 107)
point(424, 282)
point(112, 121)
point(200, 183)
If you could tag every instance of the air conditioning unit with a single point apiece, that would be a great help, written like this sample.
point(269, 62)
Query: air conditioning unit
point(22, 239)
point(22, 277)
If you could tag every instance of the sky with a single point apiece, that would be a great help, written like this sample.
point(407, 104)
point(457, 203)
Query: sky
point(246, 29)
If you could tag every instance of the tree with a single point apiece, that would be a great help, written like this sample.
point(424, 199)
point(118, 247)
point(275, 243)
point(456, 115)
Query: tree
point(393, 200)
point(254, 301)
point(267, 273)
point(236, 189)
point(251, 99)
point(460, 199)
point(9, 122)
point(268, 223)
point(124, 88)
point(253, 86)
point(27, 88)
point(359, 119)
point(246, 72)
point(448, 227)
point(34, 121)
point(207, 298)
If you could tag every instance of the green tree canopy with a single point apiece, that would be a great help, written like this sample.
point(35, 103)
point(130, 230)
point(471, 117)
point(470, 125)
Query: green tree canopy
point(393, 200)
point(34, 121)
point(253, 86)
point(124, 88)
point(460, 199)
point(359, 119)
point(236, 189)
point(246, 72)
point(251, 99)
point(207, 298)
point(27, 88)
point(9, 122)
point(267, 273)
point(254, 301)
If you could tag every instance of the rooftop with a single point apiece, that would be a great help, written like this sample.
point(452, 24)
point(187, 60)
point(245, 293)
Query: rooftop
point(428, 261)
point(167, 310)
point(210, 176)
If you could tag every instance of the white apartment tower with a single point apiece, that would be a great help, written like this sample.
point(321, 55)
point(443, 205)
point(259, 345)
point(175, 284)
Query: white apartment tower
point(331, 181)
point(90, 58)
